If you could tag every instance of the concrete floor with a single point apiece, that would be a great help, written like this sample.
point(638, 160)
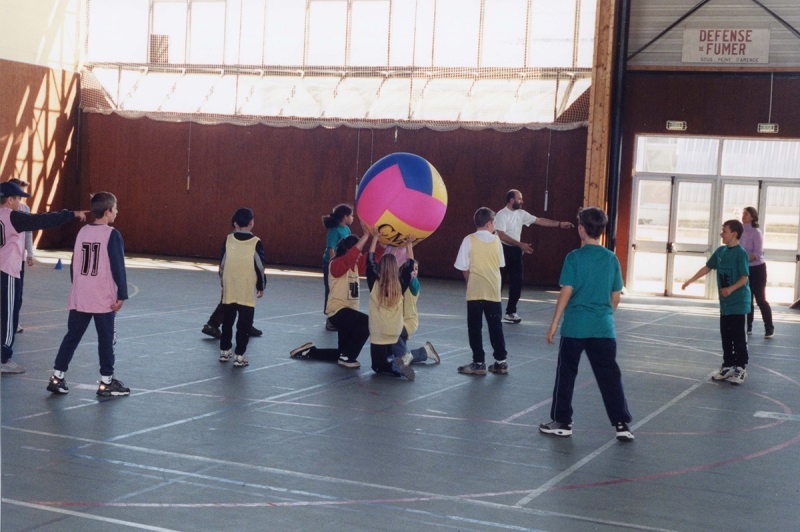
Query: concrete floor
point(297, 445)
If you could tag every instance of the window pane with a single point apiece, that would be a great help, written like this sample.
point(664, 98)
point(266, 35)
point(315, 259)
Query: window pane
point(208, 32)
point(392, 100)
point(169, 18)
point(684, 267)
point(649, 272)
point(736, 198)
point(402, 35)
point(694, 213)
point(683, 155)
point(245, 46)
point(369, 33)
point(780, 217)
point(504, 33)
point(118, 31)
point(457, 28)
point(780, 281)
point(587, 22)
point(283, 42)
point(761, 158)
point(533, 102)
point(327, 30)
point(552, 31)
point(401, 52)
point(652, 222)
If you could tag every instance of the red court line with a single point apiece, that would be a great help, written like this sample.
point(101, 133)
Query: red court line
point(680, 471)
point(421, 499)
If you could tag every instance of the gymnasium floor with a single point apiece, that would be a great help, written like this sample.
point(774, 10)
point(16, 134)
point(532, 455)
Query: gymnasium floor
point(291, 445)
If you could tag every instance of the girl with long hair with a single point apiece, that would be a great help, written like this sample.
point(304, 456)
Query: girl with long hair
point(387, 284)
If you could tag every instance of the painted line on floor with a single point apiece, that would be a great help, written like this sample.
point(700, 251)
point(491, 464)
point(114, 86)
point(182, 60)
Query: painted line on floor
point(695, 469)
point(172, 387)
point(82, 515)
point(333, 501)
point(591, 456)
point(223, 410)
point(651, 340)
point(781, 375)
point(777, 415)
point(511, 418)
point(418, 496)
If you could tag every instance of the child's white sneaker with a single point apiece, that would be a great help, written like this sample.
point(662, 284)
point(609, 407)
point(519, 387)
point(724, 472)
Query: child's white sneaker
point(432, 354)
point(724, 373)
point(739, 375)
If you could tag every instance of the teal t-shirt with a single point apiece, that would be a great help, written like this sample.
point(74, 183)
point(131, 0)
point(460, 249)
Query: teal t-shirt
point(413, 287)
point(731, 264)
point(593, 272)
point(334, 235)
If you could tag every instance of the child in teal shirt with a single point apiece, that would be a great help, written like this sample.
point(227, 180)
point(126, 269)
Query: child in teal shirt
point(338, 225)
point(591, 284)
point(733, 274)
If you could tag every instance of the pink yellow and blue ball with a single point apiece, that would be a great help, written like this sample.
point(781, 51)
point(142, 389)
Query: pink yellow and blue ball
point(402, 194)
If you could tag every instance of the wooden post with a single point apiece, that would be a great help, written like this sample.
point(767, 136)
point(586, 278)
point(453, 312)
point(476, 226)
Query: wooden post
point(596, 180)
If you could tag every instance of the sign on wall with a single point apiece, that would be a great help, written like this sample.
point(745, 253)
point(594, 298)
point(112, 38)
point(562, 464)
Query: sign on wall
point(726, 46)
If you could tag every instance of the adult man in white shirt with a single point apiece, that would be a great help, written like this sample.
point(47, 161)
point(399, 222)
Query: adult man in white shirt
point(508, 224)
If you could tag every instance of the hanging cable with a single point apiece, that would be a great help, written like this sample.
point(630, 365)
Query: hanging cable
point(358, 151)
point(771, 81)
point(189, 159)
point(371, 147)
point(547, 171)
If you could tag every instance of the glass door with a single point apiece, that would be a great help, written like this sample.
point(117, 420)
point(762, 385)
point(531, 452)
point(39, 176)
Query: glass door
point(692, 237)
point(779, 218)
point(647, 270)
point(671, 236)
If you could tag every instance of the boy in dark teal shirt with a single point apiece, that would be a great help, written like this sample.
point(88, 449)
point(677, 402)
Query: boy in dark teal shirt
point(591, 284)
point(733, 274)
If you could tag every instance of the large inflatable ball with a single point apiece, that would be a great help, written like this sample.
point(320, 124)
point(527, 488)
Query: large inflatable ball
point(402, 194)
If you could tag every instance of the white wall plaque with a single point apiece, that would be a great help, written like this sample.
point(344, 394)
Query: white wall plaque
point(726, 46)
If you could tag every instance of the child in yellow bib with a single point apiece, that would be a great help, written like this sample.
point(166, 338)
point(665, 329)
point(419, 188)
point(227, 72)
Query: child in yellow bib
point(410, 324)
point(387, 284)
point(242, 271)
point(480, 259)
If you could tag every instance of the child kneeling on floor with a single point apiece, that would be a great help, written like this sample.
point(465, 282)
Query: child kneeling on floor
point(387, 284)
point(410, 324)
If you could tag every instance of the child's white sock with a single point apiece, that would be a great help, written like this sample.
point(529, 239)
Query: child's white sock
point(106, 379)
point(59, 374)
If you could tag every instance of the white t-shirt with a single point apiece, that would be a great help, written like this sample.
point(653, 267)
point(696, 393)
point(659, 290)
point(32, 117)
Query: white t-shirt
point(510, 222)
point(462, 261)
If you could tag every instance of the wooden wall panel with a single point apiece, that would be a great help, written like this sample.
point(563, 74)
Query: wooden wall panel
point(38, 117)
point(729, 105)
point(291, 177)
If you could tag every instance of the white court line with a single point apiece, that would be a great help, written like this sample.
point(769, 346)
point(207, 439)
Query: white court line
point(216, 412)
point(777, 415)
point(88, 516)
point(183, 384)
point(591, 456)
point(334, 480)
point(650, 340)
